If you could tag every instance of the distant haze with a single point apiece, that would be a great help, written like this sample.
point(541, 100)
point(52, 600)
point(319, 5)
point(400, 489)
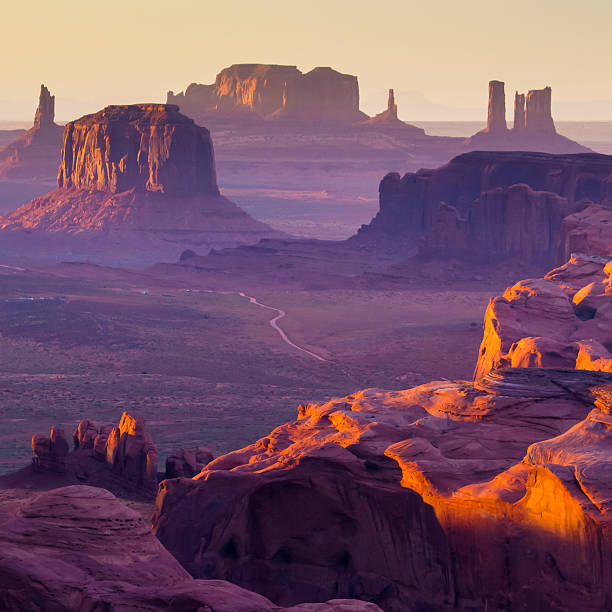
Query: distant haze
point(437, 55)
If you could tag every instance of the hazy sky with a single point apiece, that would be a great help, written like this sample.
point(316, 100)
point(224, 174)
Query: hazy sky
point(95, 53)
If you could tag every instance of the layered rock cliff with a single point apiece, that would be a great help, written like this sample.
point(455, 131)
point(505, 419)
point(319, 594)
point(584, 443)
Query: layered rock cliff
point(35, 154)
point(497, 206)
point(448, 496)
point(272, 91)
point(145, 170)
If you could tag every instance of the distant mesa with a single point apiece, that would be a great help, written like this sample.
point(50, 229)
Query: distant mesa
point(144, 174)
point(533, 129)
point(523, 207)
point(273, 91)
point(35, 154)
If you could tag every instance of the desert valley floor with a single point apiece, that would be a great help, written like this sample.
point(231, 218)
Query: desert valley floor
point(207, 368)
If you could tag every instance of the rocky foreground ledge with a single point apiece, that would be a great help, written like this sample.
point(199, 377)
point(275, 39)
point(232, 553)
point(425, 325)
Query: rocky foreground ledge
point(454, 495)
point(80, 548)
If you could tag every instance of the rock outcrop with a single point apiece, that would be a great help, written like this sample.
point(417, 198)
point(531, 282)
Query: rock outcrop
point(49, 454)
point(563, 320)
point(80, 548)
point(45, 113)
point(520, 207)
point(142, 176)
point(389, 121)
point(448, 496)
point(519, 112)
point(186, 462)
point(538, 113)
point(127, 451)
point(533, 130)
point(272, 91)
point(36, 153)
point(496, 111)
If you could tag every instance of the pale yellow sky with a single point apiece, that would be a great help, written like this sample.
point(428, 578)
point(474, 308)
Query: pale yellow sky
point(95, 53)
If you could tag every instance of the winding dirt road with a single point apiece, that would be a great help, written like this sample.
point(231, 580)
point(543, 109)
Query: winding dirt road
point(274, 325)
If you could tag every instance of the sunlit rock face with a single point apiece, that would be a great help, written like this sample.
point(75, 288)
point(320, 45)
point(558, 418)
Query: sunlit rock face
point(451, 495)
point(144, 147)
point(272, 91)
point(497, 206)
point(80, 548)
point(561, 321)
point(35, 154)
point(139, 180)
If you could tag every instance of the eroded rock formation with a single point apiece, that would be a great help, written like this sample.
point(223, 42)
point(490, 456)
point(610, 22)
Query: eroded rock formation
point(538, 113)
point(80, 548)
point(142, 147)
point(389, 121)
point(533, 130)
point(496, 206)
point(272, 91)
point(561, 321)
point(143, 175)
point(519, 112)
point(49, 454)
point(496, 112)
point(35, 154)
point(451, 495)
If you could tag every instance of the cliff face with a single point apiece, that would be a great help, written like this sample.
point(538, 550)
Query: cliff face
point(35, 154)
point(272, 91)
point(447, 496)
point(144, 173)
point(490, 205)
point(145, 147)
point(561, 321)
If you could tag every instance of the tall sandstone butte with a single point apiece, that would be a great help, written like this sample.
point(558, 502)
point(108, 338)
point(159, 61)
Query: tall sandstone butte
point(496, 116)
point(35, 154)
point(538, 111)
point(144, 147)
point(497, 206)
point(141, 175)
point(519, 112)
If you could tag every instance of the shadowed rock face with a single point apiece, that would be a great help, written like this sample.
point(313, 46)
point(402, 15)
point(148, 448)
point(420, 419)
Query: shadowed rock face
point(485, 205)
point(80, 548)
point(144, 147)
point(561, 321)
point(446, 496)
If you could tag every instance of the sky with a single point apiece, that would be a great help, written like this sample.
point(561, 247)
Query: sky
point(437, 54)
